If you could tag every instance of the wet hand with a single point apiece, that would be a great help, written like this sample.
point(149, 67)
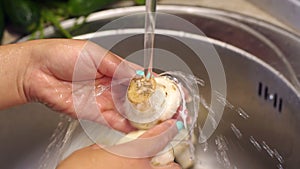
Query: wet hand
point(95, 157)
point(49, 79)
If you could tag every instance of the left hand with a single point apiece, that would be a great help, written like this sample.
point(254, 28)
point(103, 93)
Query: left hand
point(44, 70)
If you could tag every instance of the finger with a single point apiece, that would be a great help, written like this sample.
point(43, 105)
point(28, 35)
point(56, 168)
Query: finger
point(99, 58)
point(117, 121)
point(169, 166)
point(150, 143)
point(161, 128)
point(110, 113)
point(107, 62)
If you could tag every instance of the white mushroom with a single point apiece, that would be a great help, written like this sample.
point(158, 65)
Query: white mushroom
point(181, 148)
point(150, 101)
point(178, 149)
point(131, 136)
point(163, 158)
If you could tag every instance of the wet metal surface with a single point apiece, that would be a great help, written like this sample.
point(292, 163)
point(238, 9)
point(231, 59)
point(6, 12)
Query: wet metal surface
point(258, 38)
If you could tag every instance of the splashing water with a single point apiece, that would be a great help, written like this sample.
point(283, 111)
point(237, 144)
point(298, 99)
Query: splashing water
point(188, 85)
point(58, 141)
point(236, 131)
point(190, 101)
point(220, 146)
point(61, 136)
point(255, 143)
point(221, 152)
point(272, 153)
point(242, 113)
point(63, 133)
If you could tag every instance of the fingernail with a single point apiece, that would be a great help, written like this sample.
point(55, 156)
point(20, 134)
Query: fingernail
point(179, 125)
point(140, 72)
point(148, 75)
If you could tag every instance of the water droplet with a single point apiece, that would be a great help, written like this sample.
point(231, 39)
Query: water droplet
point(255, 143)
point(279, 166)
point(204, 104)
point(205, 148)
point(221, 143)
point(221, 99)
point(242, 113)
point(222, 155)
point(236, 131)
point(268, 149)
point(99, 89)
point(278, 156)
point(202, 138)
point(201, 82)
point(271, 97)
point(218, 157)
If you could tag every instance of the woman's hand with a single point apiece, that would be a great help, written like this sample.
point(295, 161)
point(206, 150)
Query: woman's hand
point(94, 157)
point(43, 71)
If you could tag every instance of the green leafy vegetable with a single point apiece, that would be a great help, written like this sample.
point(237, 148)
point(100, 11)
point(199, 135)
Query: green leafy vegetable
point(23, 15)
point(140, 2)
point(31, 16)
point(2, 22)
point(85, 7)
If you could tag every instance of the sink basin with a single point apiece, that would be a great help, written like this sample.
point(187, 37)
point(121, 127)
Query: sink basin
point(259, 125)
point(260, 122)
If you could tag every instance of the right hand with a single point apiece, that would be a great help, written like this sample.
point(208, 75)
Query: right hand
point(95, 157)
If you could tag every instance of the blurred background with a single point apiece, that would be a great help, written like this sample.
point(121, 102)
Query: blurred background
point(35, 14)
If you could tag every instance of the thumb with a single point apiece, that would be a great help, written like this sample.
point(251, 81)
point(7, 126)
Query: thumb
point(169, 166)
point(162, 128)
point(150, 143)
point(160, 135)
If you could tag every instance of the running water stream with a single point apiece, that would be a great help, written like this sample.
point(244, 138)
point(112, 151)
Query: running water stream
point(150, 18)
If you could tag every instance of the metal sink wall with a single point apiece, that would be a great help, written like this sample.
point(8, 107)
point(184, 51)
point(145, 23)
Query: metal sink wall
point(24, 133)
point(256, 131)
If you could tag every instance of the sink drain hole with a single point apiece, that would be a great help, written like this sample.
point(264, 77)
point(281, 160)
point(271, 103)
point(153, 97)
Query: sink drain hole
point(264, 91)
point(259, 89)
point(280, 105)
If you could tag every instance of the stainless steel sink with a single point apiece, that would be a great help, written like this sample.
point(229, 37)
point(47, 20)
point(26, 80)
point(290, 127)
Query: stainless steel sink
point(261, 110)
point(260, 123)
point(24, 133)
